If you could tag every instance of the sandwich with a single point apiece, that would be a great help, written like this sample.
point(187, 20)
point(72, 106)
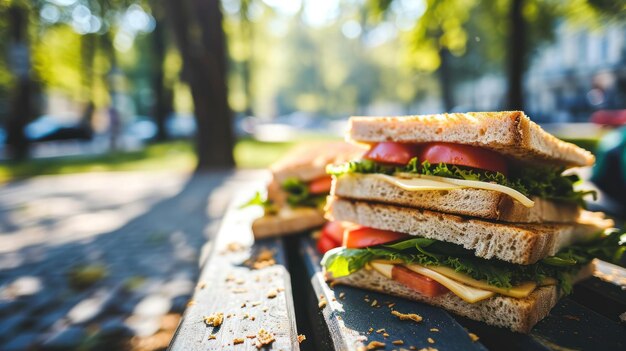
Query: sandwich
point(476, 213)
point(297, 192)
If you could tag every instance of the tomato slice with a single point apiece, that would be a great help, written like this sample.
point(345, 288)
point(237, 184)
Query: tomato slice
point(393, 153)
point(334, 231)
point(361, 237)
point(325, 243)
point(463, 155)
point(320, 185)
point(417, 282)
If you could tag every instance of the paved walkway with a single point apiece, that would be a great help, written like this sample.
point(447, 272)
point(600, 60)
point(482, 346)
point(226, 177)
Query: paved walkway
point(92, 260)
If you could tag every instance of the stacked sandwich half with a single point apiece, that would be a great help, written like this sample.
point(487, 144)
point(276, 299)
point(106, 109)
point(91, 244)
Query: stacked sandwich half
point(470, 212)
point(297, 192)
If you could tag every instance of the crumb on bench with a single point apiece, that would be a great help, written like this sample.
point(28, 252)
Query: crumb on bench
point(301, 338)
point(214, 320)
point(407, 316)
point(263, 337)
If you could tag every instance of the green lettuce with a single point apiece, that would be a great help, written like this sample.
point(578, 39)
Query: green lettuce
point(544, 182)
point(258, 200)
point(298, 194)
point(563, 266)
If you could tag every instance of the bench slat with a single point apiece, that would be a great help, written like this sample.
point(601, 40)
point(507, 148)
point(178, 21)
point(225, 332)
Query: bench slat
point(228, 285)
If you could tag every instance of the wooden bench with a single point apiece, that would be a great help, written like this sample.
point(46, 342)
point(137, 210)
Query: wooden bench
point(291, 297)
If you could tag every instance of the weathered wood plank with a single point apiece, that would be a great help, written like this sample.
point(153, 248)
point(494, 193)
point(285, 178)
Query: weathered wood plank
point(239, 282)
point(350, 317)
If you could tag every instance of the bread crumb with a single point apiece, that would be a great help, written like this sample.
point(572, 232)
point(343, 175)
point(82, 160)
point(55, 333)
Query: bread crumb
point(243, 305)
point(239, 281)
point(374, 345)
point(374, 303)
point(407, 316)
point(386, 335)
point(191, 303)
point(238, 341)
point(263, 337)
point(434, 330)
point(398, 342)
point(265, 309)
point(424, 348)
point(234, 247)
point(382, 330)
point(272, 294)
point(430, 340)
point(255, 303)
point(301, 338)
point(215, 319)
point(212, 337)
point(201, 285)
point(252, 318)
point(239, 291)
point(322, 303)
point(342, 295)
point(473, 337)
point(391, 305)
point(370, 330)
point(263, 259)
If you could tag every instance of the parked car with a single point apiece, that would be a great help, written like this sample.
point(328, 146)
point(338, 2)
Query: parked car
point(48, 128)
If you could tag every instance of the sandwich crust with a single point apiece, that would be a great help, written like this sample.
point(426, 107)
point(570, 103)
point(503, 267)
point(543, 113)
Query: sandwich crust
point(287, 221)
point(515, 243)
point(510, 133)
point(519, 315)
point(470, 202)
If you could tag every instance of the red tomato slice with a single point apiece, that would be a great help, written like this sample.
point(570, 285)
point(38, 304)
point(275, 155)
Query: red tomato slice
point(394, 153)
point(417, 282)
point(360, 237)
point(325, 244)
point(334, 231)
point(463, 155)
point(320, 185)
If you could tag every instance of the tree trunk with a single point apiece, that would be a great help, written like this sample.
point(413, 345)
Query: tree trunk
point(21, 100)
point(197, 25)
point(246, 65)
point(162, 95)
point(516, 51)
point(445, 80)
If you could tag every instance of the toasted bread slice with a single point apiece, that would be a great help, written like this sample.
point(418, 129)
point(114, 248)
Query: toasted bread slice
point(308, 161)
point(510, 133)
point(287, 221)
point(515, 243)
point(470, 202)
point(519, 315)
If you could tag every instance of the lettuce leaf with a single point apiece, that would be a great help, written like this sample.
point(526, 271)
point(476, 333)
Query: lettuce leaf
point(298, 194)
point(259, 200)
point(546, 182)
point(563, 266)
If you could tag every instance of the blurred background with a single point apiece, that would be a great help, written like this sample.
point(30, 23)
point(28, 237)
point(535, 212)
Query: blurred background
point(97, 260)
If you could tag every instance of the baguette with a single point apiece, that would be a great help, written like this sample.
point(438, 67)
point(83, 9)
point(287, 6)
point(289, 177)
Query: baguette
point(510, 133)
point(515, 243)
point(470, 202)
point(519, 315)
point(287, 221)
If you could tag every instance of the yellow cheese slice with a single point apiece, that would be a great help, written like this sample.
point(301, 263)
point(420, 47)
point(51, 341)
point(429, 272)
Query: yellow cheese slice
point(465, 292)
point(519, 291)
point(420, 182)
point(383, 268)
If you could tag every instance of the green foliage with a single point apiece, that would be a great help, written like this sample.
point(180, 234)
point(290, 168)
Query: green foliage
point(341, 261)
point(546, 182)
point(259, 200)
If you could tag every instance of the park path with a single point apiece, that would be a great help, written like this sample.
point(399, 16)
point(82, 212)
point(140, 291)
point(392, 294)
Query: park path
point(104, 260)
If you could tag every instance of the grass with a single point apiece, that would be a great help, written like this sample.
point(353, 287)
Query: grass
point(176, 155)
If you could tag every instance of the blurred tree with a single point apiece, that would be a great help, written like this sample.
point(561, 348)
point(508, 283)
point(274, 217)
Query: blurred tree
point(22, 95)
point(163, 94)
point(197, 26)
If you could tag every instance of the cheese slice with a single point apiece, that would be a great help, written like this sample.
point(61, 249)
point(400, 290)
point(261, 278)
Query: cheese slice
point(420, 182)
point(465, 292)
point(383, 268)
point(518, 291)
